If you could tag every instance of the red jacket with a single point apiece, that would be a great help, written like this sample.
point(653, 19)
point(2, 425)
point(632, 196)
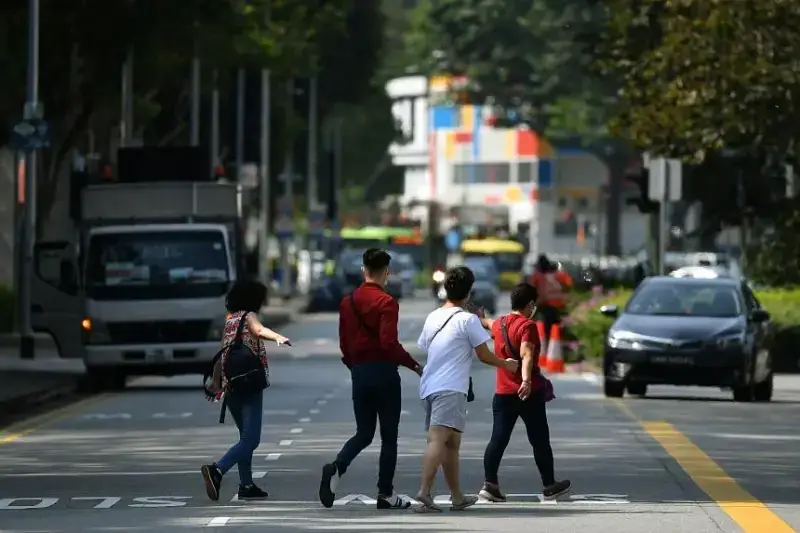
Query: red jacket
point(377, 339)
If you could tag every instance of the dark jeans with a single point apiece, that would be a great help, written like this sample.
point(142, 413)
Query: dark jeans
point(506, 408)
point(247, 413)
point(376, 397)
point(549, 315)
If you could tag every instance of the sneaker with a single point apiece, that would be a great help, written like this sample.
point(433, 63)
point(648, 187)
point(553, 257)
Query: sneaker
point(251, 492)
point(213, 479)
point(557, 489)
point(392, 502)
point(327, 485)
point(492, 493)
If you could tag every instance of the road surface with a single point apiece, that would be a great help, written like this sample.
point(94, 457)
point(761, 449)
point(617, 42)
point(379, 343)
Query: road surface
point(130, 461)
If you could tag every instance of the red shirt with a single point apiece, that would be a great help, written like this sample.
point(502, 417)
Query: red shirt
point(520, 329)
point(377, 339)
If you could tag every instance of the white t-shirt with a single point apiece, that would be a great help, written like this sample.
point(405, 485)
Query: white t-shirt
point(451, 352)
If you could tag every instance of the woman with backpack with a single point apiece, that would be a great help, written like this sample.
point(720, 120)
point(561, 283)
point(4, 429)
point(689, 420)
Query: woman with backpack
point(239, 376)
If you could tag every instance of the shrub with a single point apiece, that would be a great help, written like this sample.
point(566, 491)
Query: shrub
point(590, 329)
point(7, 309)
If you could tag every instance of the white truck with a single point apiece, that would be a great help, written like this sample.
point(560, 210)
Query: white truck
point(142, 291)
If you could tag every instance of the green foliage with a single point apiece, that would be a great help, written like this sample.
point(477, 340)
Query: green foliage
point(702, 77)
point(775, 261)
point(7, 309)
point(528, 55)
point(782, 304)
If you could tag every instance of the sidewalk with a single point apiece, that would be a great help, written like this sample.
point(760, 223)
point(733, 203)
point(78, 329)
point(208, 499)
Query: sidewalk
point(27, 383)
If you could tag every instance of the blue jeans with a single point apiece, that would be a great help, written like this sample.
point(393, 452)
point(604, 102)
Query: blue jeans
point(247, 413)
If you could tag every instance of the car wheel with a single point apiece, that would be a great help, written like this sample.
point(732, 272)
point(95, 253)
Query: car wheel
point(637, 389)
point(613, 389)
point(762, 392)
point(743, 393)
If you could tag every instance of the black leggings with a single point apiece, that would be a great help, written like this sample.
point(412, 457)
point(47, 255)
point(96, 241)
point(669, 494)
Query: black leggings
point(506, 408)
point(549, 315)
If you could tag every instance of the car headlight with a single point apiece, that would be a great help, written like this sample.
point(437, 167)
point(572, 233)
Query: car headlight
point(728, 342)
point(438, 276)
point(622, 340)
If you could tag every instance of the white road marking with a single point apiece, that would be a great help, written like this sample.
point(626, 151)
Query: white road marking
point(313, 411)
point(285, 443)
point(591, 377)
point(322, 342)
point(304, 420)
point(218, 521)
point(89, 473)
point(280, 412)
point(329, 396)
point(300, 355)
point(322, 402)
point(404, 412)
point(259, 475)
point(523, 500)
point(296, 431)
point(273, 456)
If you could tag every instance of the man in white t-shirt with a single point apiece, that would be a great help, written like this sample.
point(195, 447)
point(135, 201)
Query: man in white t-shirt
point(450, 336)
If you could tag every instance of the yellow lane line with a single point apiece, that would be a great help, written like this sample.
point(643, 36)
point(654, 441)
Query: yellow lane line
point(16, 431)
point(752, 515)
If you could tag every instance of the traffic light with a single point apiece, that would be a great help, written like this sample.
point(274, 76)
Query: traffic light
point(642, 201)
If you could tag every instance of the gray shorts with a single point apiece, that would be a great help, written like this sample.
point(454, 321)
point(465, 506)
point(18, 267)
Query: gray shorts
point(447, 409)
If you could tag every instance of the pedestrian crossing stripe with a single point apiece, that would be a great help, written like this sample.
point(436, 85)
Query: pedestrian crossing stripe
point(528, 499)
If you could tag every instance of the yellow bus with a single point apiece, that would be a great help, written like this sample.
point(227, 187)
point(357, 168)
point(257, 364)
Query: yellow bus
point(508, 255)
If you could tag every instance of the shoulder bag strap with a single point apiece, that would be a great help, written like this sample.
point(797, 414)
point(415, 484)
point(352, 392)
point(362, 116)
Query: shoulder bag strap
point(443, 325)
point(237, 339)
point(510, 346)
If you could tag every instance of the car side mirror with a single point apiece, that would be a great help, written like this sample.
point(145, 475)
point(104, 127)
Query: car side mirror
point(759, 315)
point(609, 311)
point(67, 277)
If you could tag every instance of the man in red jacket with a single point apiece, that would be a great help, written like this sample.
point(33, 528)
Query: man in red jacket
point(371, 350)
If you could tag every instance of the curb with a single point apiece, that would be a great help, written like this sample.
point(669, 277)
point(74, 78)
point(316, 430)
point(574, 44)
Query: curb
point(26, 405)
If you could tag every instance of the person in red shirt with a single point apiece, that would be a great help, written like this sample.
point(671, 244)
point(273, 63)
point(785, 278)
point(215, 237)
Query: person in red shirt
point(521, 394)
point(552, 285)
point(372, 352)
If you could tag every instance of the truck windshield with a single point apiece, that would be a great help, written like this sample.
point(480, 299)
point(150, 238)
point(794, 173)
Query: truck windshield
point(157, 265)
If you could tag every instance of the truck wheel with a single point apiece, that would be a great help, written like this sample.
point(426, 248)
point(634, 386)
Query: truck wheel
point(613, 389)
point(762, 392)
point(637, 389)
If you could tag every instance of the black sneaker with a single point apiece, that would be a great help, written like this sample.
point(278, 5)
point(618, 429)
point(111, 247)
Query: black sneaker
point(392, 502)
point(327, 485)
point(492, 493)
point(557, 489)
point(251, 492)
point(213, 479)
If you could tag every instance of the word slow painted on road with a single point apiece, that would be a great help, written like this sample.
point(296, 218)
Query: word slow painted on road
point(92, 502)
point(444, 499)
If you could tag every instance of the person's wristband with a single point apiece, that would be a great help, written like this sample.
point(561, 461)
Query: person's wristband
point(526, 381)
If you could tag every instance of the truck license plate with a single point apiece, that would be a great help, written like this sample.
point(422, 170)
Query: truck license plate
point(157, 356)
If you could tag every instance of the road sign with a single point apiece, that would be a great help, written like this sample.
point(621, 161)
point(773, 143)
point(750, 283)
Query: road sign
point(665, 173)
point(452, 240)
point(286, 206)
point(248, 176)
point(30, 134)
point(316, 221)
point(284, 227)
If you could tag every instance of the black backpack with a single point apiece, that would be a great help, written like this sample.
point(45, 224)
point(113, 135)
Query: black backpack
point(243, 370)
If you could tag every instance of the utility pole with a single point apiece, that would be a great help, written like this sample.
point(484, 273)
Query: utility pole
point(31, 111)
point(663, 218)
point(240, 88)
point(214, 144)
point(288, 176)
point(195, 119)
point(312, 196)
point(264, 271)
point(126, 122)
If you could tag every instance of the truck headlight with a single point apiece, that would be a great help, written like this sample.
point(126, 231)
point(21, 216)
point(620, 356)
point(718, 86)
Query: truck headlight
point(94, 331)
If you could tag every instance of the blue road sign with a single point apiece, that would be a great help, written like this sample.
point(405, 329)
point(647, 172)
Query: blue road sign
point(30, 134)
point(452, 240)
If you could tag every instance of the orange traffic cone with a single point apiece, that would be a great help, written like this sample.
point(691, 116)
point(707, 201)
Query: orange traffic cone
point(555, 357)
point(543, 341)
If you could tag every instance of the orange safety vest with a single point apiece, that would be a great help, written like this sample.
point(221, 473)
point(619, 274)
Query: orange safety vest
point(551, 287)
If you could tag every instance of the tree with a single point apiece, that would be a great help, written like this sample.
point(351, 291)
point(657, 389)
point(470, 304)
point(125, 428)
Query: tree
point(84, 43)
point(527, 56)
point(715, 83)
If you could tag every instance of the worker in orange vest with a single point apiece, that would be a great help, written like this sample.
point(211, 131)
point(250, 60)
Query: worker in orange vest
point(552, 285)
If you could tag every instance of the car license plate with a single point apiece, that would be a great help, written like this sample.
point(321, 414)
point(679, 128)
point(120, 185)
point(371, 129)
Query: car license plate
point(672, 360)
point(157, 356)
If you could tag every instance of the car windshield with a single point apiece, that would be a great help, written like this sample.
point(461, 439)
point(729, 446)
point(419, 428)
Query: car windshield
point(156, 264)
point(504, 261)
point(482, 270)
point(661, 299)
point(401, 262)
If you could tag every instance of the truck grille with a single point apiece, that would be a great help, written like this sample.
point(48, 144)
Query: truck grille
point(172, 331)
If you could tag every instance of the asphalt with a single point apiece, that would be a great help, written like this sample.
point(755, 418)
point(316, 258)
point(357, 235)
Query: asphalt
point(130, 461)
